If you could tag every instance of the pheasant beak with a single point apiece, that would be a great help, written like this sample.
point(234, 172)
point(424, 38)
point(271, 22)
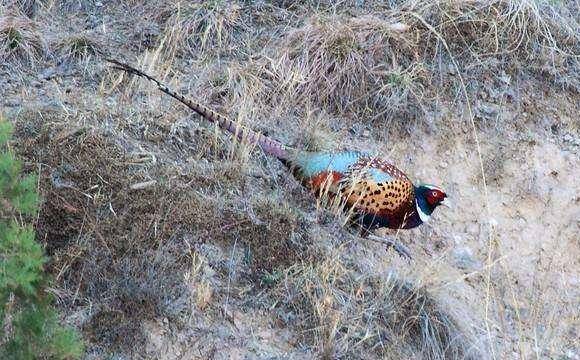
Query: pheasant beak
point(447, 203)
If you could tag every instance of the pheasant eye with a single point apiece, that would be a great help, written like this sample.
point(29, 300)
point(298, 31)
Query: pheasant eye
point(434, 197)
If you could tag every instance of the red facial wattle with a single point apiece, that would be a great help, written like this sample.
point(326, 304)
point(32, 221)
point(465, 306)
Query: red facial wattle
point(434, 197)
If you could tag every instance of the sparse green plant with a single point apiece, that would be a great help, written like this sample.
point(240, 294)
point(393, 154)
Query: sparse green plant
point(30, 323)
point(13, 38)
point(270, 278)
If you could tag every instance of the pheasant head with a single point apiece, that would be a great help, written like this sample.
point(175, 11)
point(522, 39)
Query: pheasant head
point(427, 199)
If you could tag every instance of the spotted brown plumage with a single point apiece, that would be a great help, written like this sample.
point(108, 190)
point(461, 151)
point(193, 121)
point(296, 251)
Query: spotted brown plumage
point(370, 188)
point(373, 190)
point(387, 196)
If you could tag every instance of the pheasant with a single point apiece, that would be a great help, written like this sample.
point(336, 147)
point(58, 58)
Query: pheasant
point(374, 192)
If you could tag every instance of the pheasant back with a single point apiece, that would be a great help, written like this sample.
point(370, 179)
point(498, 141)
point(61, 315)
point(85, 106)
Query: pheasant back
point(374, 190)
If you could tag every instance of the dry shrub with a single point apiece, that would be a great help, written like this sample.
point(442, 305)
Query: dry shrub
point(351, 64)
point(119, 241)
point(81, 46)
point(197, 27)
point(378, 67)
point(275, 241)
point(20, 40)
point(496, 27)
point(345, 313)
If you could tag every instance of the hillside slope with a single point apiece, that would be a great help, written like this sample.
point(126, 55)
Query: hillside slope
point(169, 240)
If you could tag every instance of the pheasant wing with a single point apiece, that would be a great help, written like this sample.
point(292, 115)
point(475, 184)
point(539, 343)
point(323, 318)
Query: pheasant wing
point(374, 186)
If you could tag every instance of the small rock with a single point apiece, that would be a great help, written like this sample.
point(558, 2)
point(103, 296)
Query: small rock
point(571, 354)
point(12, 102)
point(505, 78)
point(451, 69)
point(488, 109)
point(472, 228)
point(569, 138)
point(143, 185)
point(398, 27)
point(464, 259)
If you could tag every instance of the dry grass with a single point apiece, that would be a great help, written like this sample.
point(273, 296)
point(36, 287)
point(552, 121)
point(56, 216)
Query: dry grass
point(351, 64)
point(492, 28)
point(151, 216)
point(345, 313)
point(194, 28)
point(79, 47)
point(20, 40)
point(116, 227)
point(499, 34)
point(378, 67)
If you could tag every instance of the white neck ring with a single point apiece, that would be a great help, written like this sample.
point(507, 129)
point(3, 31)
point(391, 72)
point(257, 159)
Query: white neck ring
point(424, 217)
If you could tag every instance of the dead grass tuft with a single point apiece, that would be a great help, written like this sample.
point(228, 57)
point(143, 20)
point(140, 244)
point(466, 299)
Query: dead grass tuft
point(352, 64)
point(344, 313)
point(82, 46)
point(490, 36)
point(486, 28)
point(380, 67)
point(20, 40)
point(198, 27)
point(243, 87)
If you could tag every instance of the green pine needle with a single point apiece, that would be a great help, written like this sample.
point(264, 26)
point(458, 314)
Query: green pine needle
point(5, 131)
point(34, 330)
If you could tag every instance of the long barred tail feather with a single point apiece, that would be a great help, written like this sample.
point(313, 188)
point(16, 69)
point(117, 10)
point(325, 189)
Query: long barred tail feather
point(268, 145)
